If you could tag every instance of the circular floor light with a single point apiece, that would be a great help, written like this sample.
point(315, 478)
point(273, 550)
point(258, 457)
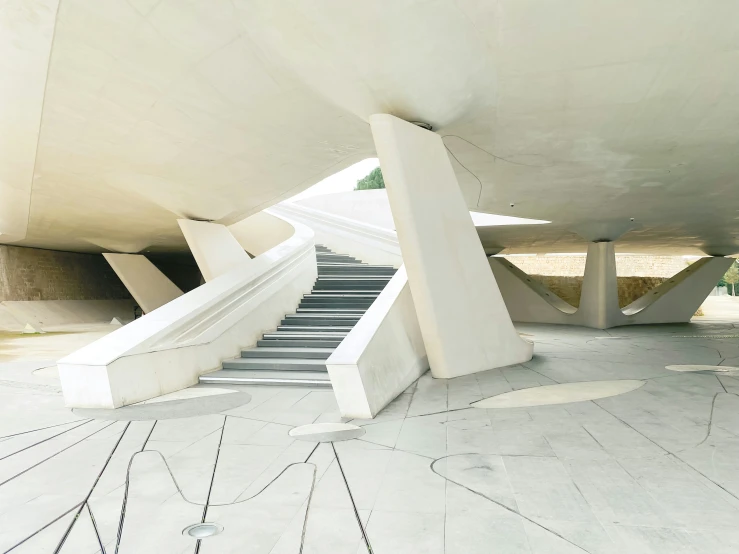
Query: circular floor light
point(202, 530)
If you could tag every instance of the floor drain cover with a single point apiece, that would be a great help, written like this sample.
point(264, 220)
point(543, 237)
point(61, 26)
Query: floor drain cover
point(202, 530)
point(326, 432)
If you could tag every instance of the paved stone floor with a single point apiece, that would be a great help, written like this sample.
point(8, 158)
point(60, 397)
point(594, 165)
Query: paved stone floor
point(655, 469)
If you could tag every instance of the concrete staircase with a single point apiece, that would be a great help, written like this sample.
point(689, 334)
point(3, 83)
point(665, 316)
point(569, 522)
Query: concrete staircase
point(295, 353)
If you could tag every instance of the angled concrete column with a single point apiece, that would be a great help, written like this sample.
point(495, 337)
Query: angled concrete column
point(464, 322)
point(674, 301)
point(677, 299)
point(215, 249)
point(149, 286)
point(526, 298)
point(599, 297)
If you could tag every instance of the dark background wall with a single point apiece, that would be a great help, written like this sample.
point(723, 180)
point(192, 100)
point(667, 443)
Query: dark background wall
point(180, 268)
point(36, 274)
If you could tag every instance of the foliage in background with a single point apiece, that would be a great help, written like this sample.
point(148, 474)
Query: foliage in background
point(373, 180)
point(731, 277)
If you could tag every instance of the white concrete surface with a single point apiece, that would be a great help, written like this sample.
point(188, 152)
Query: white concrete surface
point(8, 321)
point(464, 321)
point(599, 297)
point(50, 313)
point(367, 206)
point(678, 298)
point(26, 32)
point(694, 367)
point(169, 348)
point(565, 393)
point(372, 207)
point(259, 232)
point(651, 471)
point(381, 356)
point(263, 100)
point(674, 301)
point(215, 249)
point(369, 243)
point(148, 286)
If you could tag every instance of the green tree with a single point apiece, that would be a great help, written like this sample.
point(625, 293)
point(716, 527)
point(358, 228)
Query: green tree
point(731, 277)
point(373, 180)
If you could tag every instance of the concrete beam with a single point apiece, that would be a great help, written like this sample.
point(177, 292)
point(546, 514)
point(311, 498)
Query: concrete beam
point(215, 249)
point(464, 322)
point(149, 286)
point(674, 301)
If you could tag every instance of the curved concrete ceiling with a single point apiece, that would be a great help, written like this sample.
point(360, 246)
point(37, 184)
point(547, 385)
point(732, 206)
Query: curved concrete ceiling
point(586, 114)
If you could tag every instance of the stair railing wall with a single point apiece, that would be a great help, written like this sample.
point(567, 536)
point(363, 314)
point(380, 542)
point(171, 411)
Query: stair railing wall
point(169, 348)
point(384, 353)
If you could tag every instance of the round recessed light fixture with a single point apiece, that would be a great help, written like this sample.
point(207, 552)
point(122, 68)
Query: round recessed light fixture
point(202, 530)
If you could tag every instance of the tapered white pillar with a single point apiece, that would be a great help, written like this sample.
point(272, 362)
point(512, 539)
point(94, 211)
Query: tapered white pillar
point(599, 297)
point(215, 249)
point(463, 319)
point(148, 286)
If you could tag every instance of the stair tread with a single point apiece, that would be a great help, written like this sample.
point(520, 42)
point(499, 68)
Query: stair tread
point(320, 315)
point(318, 333)
point(288, 350)
point(236, 375)
point(276, 364)
point(290, 361)
point(296, 352)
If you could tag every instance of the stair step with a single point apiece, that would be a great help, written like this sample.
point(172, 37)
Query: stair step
point(353, 268)
point(352, 278)
point(325, 335)
point(348, 294)
point(341, 285)
point(281, 364)
point(318, 320)
point(329, 305)
point(339, 300)
point(333, 263)
point(336, 258)
point(300, 343)
point(315, 328)
point(331, 311)
point(287, 352)
point(338, 317)
point(357, 267)
point(295, 354)
point(274, 378)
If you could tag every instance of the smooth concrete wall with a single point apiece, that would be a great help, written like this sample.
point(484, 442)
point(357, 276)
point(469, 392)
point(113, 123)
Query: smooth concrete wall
point(368, 243)
point(37, 274)
point(26, 36)
point(49, 313)
point(677, 299)
point(674, 301)
point(8, 322)
point(365, 206)
point(463, 318)
point(381, 356)
point(214, 248)
point(627, 265)
point(259, 232)
point(149, 286)
point(169, 348)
